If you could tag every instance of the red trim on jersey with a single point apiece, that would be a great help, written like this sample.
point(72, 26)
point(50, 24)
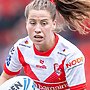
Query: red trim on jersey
point(26, 66)
point(78, 87)
point(10, 72)
point(47, 53)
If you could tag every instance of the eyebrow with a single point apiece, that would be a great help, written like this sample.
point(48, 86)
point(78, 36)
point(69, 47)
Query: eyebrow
point(40, 20)
point(32, 19)
point(44, 20)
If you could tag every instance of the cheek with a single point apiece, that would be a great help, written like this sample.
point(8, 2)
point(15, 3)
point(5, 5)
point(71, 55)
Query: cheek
point(30, 34)
point(48, 32)
point(29, 30)
point(49, 29)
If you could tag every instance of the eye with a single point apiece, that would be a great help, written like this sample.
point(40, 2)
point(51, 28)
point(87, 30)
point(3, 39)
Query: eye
point(44, 23)
point(32, 22)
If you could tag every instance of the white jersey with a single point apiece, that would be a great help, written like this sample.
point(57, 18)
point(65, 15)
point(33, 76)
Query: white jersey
point(60, 68)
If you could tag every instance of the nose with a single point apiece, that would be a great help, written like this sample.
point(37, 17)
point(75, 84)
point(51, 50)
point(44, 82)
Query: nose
point(38, 29)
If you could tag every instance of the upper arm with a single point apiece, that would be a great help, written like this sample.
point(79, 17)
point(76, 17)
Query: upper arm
point(12, 64)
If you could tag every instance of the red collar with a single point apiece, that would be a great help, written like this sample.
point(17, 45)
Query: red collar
point(47, 53)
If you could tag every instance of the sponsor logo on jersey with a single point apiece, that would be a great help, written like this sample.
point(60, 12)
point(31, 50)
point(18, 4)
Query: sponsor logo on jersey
point(42, 65)
point(61, 53)
point(12, 50)
point(75, 62)
point(26, 42)
point(24, 45)
point(8, 60)
point(63, 86)
point(42, 61)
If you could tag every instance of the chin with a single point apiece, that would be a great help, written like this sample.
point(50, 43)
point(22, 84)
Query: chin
point(39, 43)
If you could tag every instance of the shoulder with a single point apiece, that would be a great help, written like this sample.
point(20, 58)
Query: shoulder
point(64, 42)
point(67, 47)
point(23, 42)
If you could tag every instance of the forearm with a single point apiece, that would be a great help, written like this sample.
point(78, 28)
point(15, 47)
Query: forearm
point(4, 77)
point(2, 80)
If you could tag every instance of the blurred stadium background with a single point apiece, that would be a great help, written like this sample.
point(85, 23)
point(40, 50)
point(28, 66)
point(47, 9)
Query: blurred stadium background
point(12, 27)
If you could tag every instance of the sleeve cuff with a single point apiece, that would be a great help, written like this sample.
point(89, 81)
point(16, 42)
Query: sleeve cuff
point(10, 72)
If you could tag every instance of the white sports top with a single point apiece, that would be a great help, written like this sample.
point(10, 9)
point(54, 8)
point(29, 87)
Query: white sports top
point(60, 68)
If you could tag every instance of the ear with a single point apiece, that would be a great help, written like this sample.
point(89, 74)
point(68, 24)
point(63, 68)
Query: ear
point(54, 24)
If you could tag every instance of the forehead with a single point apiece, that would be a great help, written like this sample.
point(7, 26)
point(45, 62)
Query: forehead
point(39, 14)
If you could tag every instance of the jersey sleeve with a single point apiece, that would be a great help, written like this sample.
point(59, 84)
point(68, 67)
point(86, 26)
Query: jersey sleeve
point(74, 70)
point(12, 64)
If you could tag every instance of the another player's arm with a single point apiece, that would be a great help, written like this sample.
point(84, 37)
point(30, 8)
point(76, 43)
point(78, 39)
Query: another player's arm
point(4, 77)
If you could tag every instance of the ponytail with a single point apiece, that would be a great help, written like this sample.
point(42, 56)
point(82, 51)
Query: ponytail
point(74, 13)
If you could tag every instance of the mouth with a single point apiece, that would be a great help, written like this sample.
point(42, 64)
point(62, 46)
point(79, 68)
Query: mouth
point(38, 37)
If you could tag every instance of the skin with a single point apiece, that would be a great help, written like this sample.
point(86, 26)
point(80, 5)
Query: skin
point(40, 28)
point(4, 77)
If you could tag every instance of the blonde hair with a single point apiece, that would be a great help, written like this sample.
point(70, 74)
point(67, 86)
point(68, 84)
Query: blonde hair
point(41, 5)
point(74, 12)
